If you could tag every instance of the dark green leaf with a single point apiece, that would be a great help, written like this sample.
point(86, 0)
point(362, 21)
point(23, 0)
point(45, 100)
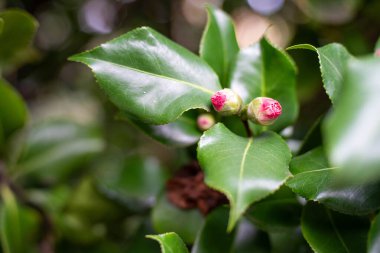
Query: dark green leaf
point(218, 45)
point(313, 138)
point(288, 241)
point(166, 217)
point(213, 238)
point(254, 75)
point(54, 149)
point(332, 60)
point(170, 243)
point(250, 239)
point(352, 132)
point(1, 25)
point(150, 77)
point(374, 236)
point(244, 169)
point(314, 180)
point(13, 44)
point(15, 114)
point(327, 231)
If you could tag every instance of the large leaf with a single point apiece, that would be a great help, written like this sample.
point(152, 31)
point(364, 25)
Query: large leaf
point(327, 231)
point(13, 44)
point(150, 77)
point(168, 218)
point(374, 236)
point(213, 237)
point(332, 60)
point(352, 132)
point(244, 169)
point(13, 113)
point(314, 180)
point(54, 149)
point(218, 45)
point(170, 243)
point(262, 70)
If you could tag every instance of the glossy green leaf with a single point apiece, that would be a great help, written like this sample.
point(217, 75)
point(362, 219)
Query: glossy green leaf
point(253, 75)
point(244, 169)
point(327, 231)
point(374, 236)
point(181, 133)
point(314, 180)
point(54, 149)
point(213, 238)
point(169, 243)
point(150, 77)
point(13, 44)
point(13, 111)
point(332, 61)
point(218, 45)
point(168, 218)
point(352, 132)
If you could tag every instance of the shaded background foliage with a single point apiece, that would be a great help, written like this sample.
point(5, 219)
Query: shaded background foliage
point(79, 157)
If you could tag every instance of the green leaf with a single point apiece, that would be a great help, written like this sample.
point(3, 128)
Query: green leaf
point(290, 237)
point(169, 243)
point(1, 25)
point(218, 45)
point(168, 218)
point(327, 231)
point(213, 238)
point(352, 132)
point(150, 77)
point(374, 236)
point(314, 180)
point(54, 149)
point(377, 46)
point(313, 138)
point(13, 44)
point(244, 169)
point(14, 117)
point(332, 61)
point(253, 75)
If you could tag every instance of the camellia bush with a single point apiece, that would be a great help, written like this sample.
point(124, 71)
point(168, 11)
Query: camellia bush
point(240, 185)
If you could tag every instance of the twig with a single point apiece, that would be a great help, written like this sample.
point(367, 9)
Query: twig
point(247, 129)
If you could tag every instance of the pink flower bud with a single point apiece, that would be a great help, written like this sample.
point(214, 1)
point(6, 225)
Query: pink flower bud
point(377, 52)
point(226, 102)
point(205, 121)
point(264, 111)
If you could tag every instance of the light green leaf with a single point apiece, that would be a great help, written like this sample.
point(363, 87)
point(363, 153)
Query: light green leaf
point(244, 169)
point(13, 44)
point(166, 217)
point(218, 45)
point(314, 180)
point(15, 114)
point(374, 236)
point(150, 77)
point(327, 231)
point(332, 61)
point(253, 75)
point(54, 149)
point(352, 132)
point(169, 243)
point(213, 238)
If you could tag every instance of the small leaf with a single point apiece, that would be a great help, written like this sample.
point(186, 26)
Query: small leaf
point(314, 180)
point(166, 217)
point(254, 75)
point(327, 231)
point(374, 236)
point(218, 45)
point(244, 169)
point(352, 130)
point(332, 60)
point(12, 43)
point(169, 243)
point(150, 77)
point(15, 114)
point(213, 238)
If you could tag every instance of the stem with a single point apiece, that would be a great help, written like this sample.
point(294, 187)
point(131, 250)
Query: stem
point(247, 129)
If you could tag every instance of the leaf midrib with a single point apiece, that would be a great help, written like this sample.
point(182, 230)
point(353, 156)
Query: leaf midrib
point(241, 171)
point(196, 86)
point(336, 230)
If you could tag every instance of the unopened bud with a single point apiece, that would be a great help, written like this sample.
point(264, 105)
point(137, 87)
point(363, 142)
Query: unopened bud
point(205, 121)
point(226, 102)
point(263, 110)
point(377, 52)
